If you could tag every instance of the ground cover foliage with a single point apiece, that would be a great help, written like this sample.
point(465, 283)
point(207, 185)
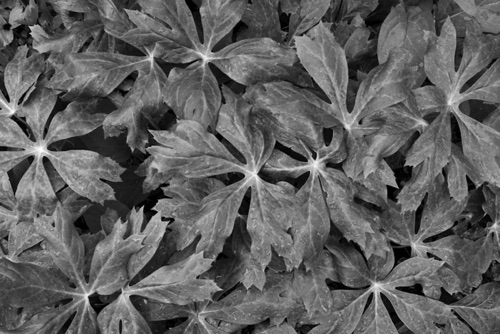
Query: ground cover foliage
point(263, 166)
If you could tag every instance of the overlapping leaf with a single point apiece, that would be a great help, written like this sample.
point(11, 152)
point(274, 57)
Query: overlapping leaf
point(327, 195)
point(433, 149)
point(175, 34)
point(439, 214)
point(486, 12)
point(116, 259)
point(383, 87)
point(37, 285)
point(99, 74)
point(240, 308)
point(350, 311)
point(80, 169)
point(191, 151)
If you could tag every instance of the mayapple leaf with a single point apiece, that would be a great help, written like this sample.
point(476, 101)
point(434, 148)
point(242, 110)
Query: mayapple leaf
point(438, 215)
point(170, 30)
point(419, 313)
point(193, 152)
point(479, 141)
point(80, 169)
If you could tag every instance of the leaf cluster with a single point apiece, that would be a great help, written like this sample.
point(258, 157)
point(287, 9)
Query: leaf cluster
point(264, 166)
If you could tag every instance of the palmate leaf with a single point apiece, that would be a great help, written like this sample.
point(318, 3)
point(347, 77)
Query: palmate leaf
point(350, 313)
point(115, 261)
point(480, 309)
point(303, 15)
point(433, 150)
point(176, 284)
point(383, 87)
point(408, 28)
point(238, 309)
point(80, 169)
point(327, 194)
point(193, 152)
point(465, 257)
point(170, 29)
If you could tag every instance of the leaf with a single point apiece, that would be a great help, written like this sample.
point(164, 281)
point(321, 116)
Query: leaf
point(20, 77)
point(24, 14)
point(478, 139)
point(418, 313)
point(352, 8)
point(35, 193)
point(73, 5)
point(325, 60)
point(72, 40)
point(193, 152)
point(8, 213)
point(439, 214)
point(232, 312)
point(175, 283)
point(98, 74)
point(108, 271)
point(122, 315)
point(262, 19)
point(194, 93)
point(175, 39)
point(410, 29)
point(480, 309)
point(311, 286)
point(327, 195)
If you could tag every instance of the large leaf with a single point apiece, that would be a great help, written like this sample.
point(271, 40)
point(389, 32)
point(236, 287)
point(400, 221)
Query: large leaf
point(193, 152)
point(384, 86)
point(431, 152)
point(234, 311)
point(20, 78)
point(438, 216)
point(350, 311)
point(80, 169)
